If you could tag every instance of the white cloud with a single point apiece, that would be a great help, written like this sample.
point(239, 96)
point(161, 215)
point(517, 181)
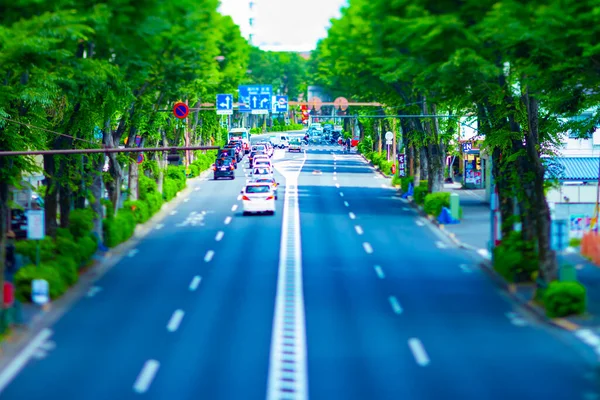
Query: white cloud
point(284, 25)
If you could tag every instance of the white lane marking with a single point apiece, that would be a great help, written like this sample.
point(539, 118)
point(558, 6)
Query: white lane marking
point(358, 229)
point(227, 220)
point(159, 226)
point(186, 199)
point(219, 236)
point(334, 167)
point(209, 256)
point(239, 197)
point(335, 178)
point(379, 272)
point(395, 305)
point(384, 186)
point(346, 204)
point(516, 319)
point(485, 254)
point(337, 185)
point(173, 212)
point(419, 222)
point(94, 290)
point(18, 363)
point(234, 207)
point(405, 209)
point(197, 189)
point(465, 268)
point(288, 340)
point(441, 245)
point(341, 194)
point(195, 283)
point(367, 247)
point(175, 320)
point(351, 215)
point(144, 379)
point(132, 252)
point(335, 173)
point(418, 352)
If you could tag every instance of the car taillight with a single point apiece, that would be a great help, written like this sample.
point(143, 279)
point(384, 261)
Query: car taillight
point(270, 198)
point(232, 168)
point(214, 168)
point(245, 198)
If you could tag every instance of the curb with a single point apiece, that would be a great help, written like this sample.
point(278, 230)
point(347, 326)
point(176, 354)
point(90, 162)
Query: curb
point(21, 335)
point(511, 289)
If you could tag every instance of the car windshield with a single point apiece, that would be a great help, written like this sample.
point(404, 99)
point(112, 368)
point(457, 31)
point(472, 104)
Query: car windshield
point(294, 141)
point(258, 189)
point(223, 162)
point(260, 148)
point(261, 171)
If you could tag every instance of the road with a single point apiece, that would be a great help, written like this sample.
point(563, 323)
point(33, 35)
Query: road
point(391, 309)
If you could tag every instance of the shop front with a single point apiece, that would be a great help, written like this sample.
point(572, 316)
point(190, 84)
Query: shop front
point(474, 170)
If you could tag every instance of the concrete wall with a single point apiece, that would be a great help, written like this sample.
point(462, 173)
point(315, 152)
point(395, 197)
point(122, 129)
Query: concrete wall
point(580, 193)
point(578, 215)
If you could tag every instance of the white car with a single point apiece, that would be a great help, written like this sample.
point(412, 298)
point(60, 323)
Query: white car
point(258, 198)
point(262, 172)
point(263, 164)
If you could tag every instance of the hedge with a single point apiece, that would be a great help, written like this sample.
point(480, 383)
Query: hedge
point(515, 259)
point(562, 299)
point(434, 202)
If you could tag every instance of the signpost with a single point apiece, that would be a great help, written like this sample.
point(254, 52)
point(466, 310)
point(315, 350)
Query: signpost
point(255, 99)
point(402, 165)
point(36, 230)
point(389, 138)
point(140, 158)
point(224, 104)
point(181, 110)
point(280, 104)
point(467, 146)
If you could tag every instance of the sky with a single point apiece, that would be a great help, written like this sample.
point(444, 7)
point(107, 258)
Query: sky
point(284, 25)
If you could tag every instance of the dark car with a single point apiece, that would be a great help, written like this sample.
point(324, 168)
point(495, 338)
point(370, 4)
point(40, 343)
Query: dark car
point(228, 153)
point(238, 152)
point(239, 148)
point(224, 168)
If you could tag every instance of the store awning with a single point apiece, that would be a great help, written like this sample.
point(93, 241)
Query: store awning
point(572, 169)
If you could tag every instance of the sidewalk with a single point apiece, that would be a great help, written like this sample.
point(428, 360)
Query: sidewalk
point(474, 233)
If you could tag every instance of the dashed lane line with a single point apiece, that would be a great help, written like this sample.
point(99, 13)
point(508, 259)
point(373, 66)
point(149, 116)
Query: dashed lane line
point(234, 207)
point(347, 204)
point(219, 236)
point(441, 245)
point(227, 220)
point(465, 268)
point(160, 226)
point(132, 252)
point(419, 352)
point(341, 194)
point(144, 379)
point(419, 222)
point(358, 229)
point(379, 271)
point(367, 247)
point(195, 283)
point(395, 305)
point(209, 256)
point(352, 215)
point(175, 320)
point(94, 290)
point(337, 185)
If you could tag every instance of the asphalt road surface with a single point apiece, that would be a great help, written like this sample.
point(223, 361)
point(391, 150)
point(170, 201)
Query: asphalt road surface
point(391, 309)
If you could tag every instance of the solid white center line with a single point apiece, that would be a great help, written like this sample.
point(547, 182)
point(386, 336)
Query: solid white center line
point(219, 236)
point(195, 283)
point(465, 268)
point(418, 352)
point(440, 245)
point(379, 272)
point(144, 379)
point(367, 247)
point(420, 223)
point(175, 320)
point(227, 220)
point(132, 252)
point(341, 194)
point(234, 207)
point(209, 255)
point(358, 229)
point(239, 197)
point(346, 204)
point(395, 305)
point(173, 212)
point(186, 199)
point(351, 215)
point(337, 185)
point(160, 226)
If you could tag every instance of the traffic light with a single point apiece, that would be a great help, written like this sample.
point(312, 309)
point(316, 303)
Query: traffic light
point(304, 113)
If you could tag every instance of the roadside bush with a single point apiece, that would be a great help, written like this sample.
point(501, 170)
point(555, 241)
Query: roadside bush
point(420, 193)
point(27, 248)
point(405, 181)
point(109, 208)
point(68, 248)
point(564, 298)
point(515, 259)
point(67, 268)
point(88, 245)
point(194, 170)
point(385, 166)
point(170, 189)
point(574, 242)
point(118, 229)
point(434, 202)
point(177, 175)
point(139, 209)
point(47, 272)
point(396, 180)
point(64, 233)
point(81, 222)
point(365, 146)
point(423, 184)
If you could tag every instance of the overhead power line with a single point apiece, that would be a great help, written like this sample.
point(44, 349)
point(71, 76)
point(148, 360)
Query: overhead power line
point(47, 130)
point(104, 150)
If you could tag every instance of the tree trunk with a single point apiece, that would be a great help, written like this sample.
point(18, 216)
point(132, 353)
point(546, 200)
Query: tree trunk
point(51, 197)
point(424, 163)
point(114, 186)
point(96, 189)
point(134, 172)
point(4, 210)
point(548, 262)
point(64, 192)
point(81, 194)
point(505, 198)
point(437, 155)
point(162, 162)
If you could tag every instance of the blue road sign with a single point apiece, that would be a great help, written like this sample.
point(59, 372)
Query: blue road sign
point(224, 104)
point(467, 146)
point(251, 97)
point(281, 104)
